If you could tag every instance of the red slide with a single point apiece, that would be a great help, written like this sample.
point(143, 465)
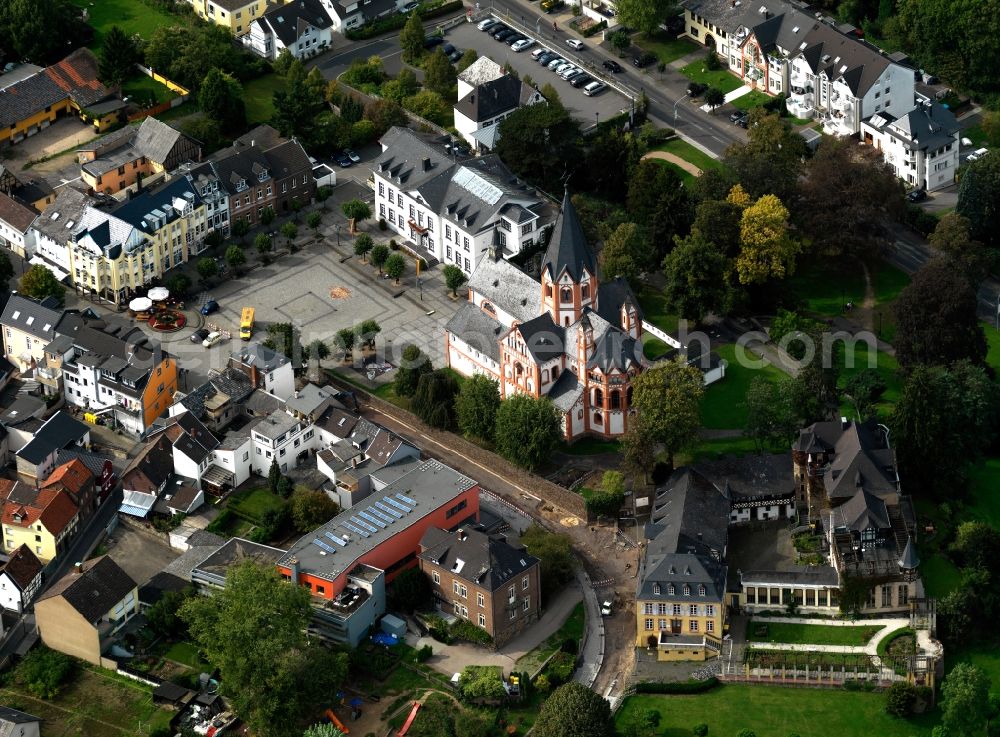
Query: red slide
point(336, 722)
point(409, 719)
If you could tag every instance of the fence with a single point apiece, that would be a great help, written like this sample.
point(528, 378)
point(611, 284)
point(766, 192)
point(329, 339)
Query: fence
point(149, 680)
point(162, 107)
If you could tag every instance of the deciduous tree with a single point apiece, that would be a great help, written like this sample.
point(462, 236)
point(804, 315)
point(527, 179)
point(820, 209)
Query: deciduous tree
point(668, 398)
point(718, 222)
point(770, 162)
point(395, 265)
point(771, 420)
point(311, 508)
point(235, 257)
point(380, 254)
point(356, 211)
point(657, 199)
point(39, 282)
point(979, 198)
point(644, 15)
point(965, 700)
point(557, 559)
point(414, 365)
point(469, 57)
point(41, 33)
point(410, 591)
point(439, 74)
point(622, 253)
point(573, 710)
point(767, 250)
point(527, 430)
point(207, 267)
point(6, 270)
point(698, 277)
point(363, 244)
point(537, 141)
point(454, 277)
point(476, 406)
point(714, 97)
point(953, 237)
point(427, 104)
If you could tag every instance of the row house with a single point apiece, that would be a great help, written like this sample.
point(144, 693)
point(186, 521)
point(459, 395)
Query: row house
point(123, 160)
point(302, 27)
point(486, 96)
point(55, 228)
point(453, 208)
point(348, 14)
point(45, 446)
point(921, 145)
point(20, 579)
point(267, 369)
point(44, 520)
point(28, 326)
point(16, 218)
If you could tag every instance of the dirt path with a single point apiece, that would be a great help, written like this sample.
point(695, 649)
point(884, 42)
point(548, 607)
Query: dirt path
point(674, 159)
point(865, 314)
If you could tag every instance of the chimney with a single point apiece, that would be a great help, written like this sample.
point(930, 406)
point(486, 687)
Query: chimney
point(253, 142)
point(426, 163)
point(77, 568)
point(293, 569)
point(461, 535)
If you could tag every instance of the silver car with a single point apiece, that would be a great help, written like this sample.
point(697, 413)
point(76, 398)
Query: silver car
point(556, 62)
point(569, 72)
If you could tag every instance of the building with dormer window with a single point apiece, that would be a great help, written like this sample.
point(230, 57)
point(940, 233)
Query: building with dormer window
point(303, 27)
point(570, 337)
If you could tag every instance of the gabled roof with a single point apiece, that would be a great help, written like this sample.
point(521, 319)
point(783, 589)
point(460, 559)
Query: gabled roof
point(474, 556)
point(151, 467)
point(59, 431)
point(690, 515)
point(94, 589)
point(493, 98)
point(616, 350)
point(841, 57)
point(479, 330)
point(31, 316)
point(74, 476)
point(289, 21)
point(11, 718)
point(507, 287)
point(25, 506)
point(75, 77)
point(862, 511)
point(17, 215)
point(22, 567)
point(153, 208)
point(568, 250)
point(260, 357)
point(544, 339)
point(57, 221)
point(861, 458)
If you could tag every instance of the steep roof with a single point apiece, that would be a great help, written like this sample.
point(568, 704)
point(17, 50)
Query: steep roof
point(74, 476)
point(568, 250)
point(690, 515)
point(477, 329)
point(77, 75)
point(474, 556)
point(544, 339)
point(74, 77)
point(58, 219)
point(59, 431)
point(25, 506)
point(861, 511)
point(291, 20)
point(94, 590)
point(492, 98)
point(11, 718)
point(151, 467)
point(841, 57)
point(149, 211)
point(31, 316)
point(926, 127)
point(22, 567)
point(16, 214)
point(506, 286)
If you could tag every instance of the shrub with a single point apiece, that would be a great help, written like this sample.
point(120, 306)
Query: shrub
point(651, 718)
point(396, 22)
point(677, 687)
point(700, 730)
point(464, 630)
point(382, 225)
point(570, 646)
point(43, 671)
point(424, 654)
point(712, 62)
point(900, 699)
point(560, 668)
point(595, 29)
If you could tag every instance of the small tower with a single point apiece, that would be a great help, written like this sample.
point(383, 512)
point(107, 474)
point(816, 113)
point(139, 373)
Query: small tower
point(569, 271)
point(909, 561)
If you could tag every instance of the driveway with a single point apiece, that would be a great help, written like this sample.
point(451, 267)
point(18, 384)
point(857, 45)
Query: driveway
point(65, 133)
point(140, 556)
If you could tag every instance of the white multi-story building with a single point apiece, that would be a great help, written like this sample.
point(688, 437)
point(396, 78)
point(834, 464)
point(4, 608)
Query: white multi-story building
point(486, 95)
point(16, 218)
point(303, 27)
point(56, 226)
point(921, 146)
point(449, 207)
point(267, 369)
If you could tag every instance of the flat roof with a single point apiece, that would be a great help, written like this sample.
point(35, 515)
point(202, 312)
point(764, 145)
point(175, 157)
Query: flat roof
point(338, 545)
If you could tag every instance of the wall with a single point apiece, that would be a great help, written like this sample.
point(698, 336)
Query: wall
point(62, 628)
point(160, 390)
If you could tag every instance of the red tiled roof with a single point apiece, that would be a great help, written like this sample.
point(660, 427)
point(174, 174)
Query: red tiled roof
point(77, 76)
point(73, 476)
point(52, 507)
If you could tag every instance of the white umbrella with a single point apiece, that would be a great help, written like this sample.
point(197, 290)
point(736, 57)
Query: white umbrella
point(158, 294)
point(140, 304)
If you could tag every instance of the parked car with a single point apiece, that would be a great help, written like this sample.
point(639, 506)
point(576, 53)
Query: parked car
point(581, 80)
point(212, 338)
point(410, 7)
point(511, 40)
point(432, 41)
point(556, 63)
point(569, 72)
point(343, 160)
point(594, 88)
point(538, 52)
point(199, 335)
point(977, 154)
point(209, 307)
point(917, 195)
point(549, 5)
point(574, 43)
point(487, 24)
point(576, 75)
point(548, 56)
point(349, 153)
point(524, 43)
point(612, 66)
point(503, 33)
point(447, 49)
point(737, 115)
point(643, 60)
point(606, 609)
point(455, 55)
point(560, 65)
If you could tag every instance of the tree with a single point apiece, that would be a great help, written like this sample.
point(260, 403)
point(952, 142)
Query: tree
point(318, 350)
point(657, 198)
point(638, 448)
point(283, 64)
point(6, 270)
point(848, 198)
point(557, 559)
point(43, 672)
point(936, 318)
point(380, 254)
point(434, 399)
point(355, 211)
point(770, 162)
point(527, 430)
point(273, 476)
point(864, 389)
point(185, 52)
point(267, 216)
point(977, 545)
point(221, 98)
point(952, 236)
point(413, 365)
point(323, 729)
point(395, 265)
point(254, 631)
point(384, 114)
point(469, 57)
point(298, 107)
point(622, 253)
point(362, 245)
point(314, 220)
point(368, 331)
point(746, 733)
point(427, 104)
point(454, 277)
point(718, 222)
point(714, 97)
point(311, 508)
point(476, 406)
point(235, 257)
point(402, 86)
point(668, 398)
point(163, 617)
point(536, 141)
point(611, 154)
point(620, 41)
point(771, 420)
point(439, 74)
point(644, 15)
point(38, 282)
point(262, 242)
point(178, 284)
point(240, 228)
point(290, 230)
point(410, 591)
point(118, 57)
point(698, 277)
point(767, 250)
point(481, 682)
point(551, 94)
point(207, 267)
point(573, 710)
point(965, 700)
point(40, 32)
point(345, 340)
point(412, 39)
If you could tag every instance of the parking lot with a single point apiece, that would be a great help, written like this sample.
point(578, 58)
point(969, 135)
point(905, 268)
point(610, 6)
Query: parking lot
point(587, 110)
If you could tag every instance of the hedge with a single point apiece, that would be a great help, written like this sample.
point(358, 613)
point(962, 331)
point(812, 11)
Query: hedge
point(595, 29)
point(677, 687)
point(397, 21)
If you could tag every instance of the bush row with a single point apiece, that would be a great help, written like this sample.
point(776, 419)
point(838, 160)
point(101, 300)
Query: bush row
point(397, 21)
point(677, 687)
point(594, 30)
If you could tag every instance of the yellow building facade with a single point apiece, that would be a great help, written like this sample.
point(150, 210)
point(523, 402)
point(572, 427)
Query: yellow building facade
point(684, 626)
point(44, 526)
point(236, 15)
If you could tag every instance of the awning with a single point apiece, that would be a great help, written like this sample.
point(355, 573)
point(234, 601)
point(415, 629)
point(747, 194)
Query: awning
point(37, 260)
point(418, 228)
point(158, 294)
point(140, 512)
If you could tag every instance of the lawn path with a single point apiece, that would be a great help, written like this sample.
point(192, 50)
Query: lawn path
point(675, 159)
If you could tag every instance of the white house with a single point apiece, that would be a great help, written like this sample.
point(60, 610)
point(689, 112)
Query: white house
point(304, 27)
point(282, 438)
point(479, 112)
point(348, 14)
point(20, 579)
point(921, 145)
point(450, 207)
point(267, 369)
point(19, 723)
point(15, 226)
point(53, 230)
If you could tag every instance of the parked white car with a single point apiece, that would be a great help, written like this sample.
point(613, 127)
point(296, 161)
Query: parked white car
point(574, 43)
point(594, 88)
point(606, 609)
point(487, 24)
point(524, 43)
point(214, 337)
point(977, 154)
point(569, 72)
point(538, 52)
point(557, 62)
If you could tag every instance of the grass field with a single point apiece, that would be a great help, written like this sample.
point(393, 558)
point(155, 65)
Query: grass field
point(147, 91)
point(258, 96)
point(885, 365)
point(753, 98)
point(95, 704)
point(571, 628)
point(592, 446)
point(825, 289)
point(984, 502)
point(187, 654)
point(940, 576)
point(655, 309)
point(132, 16)
point(992, 346)
point(254, 502)
point(666, 48)
point(689, 153)
point(654, 348)
point(686, 177)
point(724, 404)
point(772, 711)
point(810, 634)
point(720, 79)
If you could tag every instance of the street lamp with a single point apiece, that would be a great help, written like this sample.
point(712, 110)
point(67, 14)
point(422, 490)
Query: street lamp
point(597, 119)
point(336, 229)
point(675, 108)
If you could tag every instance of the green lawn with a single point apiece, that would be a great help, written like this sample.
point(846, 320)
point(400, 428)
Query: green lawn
point(654, 348)
point(939, 574)
point(772, 711)
point(753, 98)
point(712, 450)
point(572, 627)
point(885, 365)
point(810, 634)
point(689, 153)
point(984, 501)
point(686, 177)
point(258, 96)
point(132, 16)
point(721, 79)
point(825, 289)
point(655, 309)
point(724, 405)
point(143, 89)
point(985, 655)
point(187, 654)
point(992, 345)
point(254, 502)
point(665, 47)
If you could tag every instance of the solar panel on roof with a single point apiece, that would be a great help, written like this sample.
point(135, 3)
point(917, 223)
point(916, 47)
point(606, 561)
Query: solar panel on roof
point(373, 520)
point(381, 515)
point(477, 185)
point(398, 505)
point(363, 524)
point(323, 545)
point(388, 510)
point(406, 500)
point(354, 529)
point(338, 540)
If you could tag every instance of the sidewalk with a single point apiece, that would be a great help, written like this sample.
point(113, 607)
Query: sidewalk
point(888, 625)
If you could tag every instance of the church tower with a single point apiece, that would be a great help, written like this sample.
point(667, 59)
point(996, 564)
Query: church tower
point(569, 271)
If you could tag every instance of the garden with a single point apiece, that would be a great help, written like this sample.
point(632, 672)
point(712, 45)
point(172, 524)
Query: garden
point(789, 633)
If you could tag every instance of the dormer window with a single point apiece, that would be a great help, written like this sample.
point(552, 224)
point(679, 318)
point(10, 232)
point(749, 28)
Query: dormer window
point(656, 589)
point(671, 590)
point(687, 590)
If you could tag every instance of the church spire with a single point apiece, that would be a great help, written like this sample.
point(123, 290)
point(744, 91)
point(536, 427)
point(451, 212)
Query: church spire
point(568, 250)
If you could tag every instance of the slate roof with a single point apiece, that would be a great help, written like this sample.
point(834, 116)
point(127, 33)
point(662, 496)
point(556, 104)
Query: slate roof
point(233, 383)
point(616, 350)
point(568, 249)
point(92, 592)
point(543, 338)
point(260, 356)
point(59, 431)
point(861, 458)
point(77, 75)
point(861, 511)
point(925, 127)
point(857, 64)
point(816, 576)
point(611, 295)
point(289, 21)
point(681, 570)
point(141, 211)
point(31, 316)
point(474, 556)
point(477, 329)
point(494, 98)
point(909, 559)
point(566, 392)
point(22, 567)
point(152, 139)
point(151, 467)
point(16, 214)
point(751, 475)
point(69, 206)
point(507, 287)
point(690, 514)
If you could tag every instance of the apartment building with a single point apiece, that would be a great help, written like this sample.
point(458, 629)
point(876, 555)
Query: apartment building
point(302, 27)
point(921, 146)
point(44, 520)
point(234, 15)
point(28, 326)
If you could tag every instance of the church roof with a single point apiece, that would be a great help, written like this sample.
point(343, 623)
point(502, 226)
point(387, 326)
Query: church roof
point(568, 249)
